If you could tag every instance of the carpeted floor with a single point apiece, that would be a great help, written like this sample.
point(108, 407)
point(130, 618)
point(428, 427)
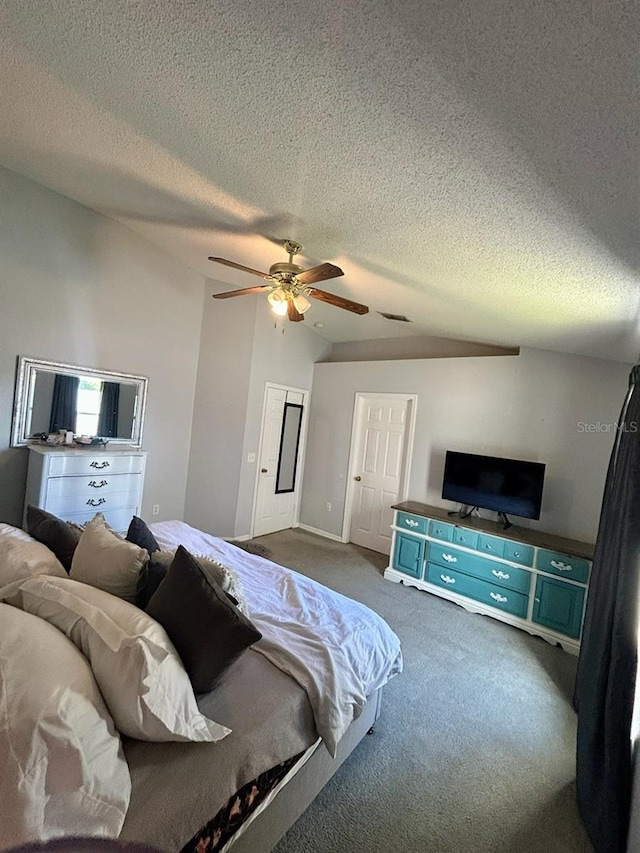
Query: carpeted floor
point(474, 750)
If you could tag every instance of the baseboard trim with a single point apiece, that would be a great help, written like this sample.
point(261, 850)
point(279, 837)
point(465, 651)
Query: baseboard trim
point(243, 538)
point(319, 532)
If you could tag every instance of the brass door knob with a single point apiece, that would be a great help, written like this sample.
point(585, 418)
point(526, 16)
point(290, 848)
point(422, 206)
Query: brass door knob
point(264, 470)
point(358, 478)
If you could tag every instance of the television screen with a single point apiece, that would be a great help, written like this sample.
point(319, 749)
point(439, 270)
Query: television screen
point(504, 485)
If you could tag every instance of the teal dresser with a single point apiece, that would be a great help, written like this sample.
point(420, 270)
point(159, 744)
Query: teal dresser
point(532, 580)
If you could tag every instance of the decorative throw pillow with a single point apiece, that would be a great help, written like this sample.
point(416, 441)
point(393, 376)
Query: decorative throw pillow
point(208, 631)
point(53, 532)
point(62, 769)
point(135, 665)
point(150, 579)
point(22, 557)
point(224, 576)
point(139, 534)
point(15, 533)
point(105, 560)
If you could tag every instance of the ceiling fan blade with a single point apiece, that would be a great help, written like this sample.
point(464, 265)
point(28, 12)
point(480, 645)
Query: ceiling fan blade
point(260, 288)
point(292, 312)
point(320, 273)
point(240, 267)
point(338, 301)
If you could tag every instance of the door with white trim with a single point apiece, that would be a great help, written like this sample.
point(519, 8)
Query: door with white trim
point(379, 467)
point(275, 509)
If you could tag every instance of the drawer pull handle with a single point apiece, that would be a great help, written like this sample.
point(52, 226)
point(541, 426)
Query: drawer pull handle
point(516, 553)
point(501, 599)
point(503, 576)
point(92, 502)
point(99, 485)
point(561, 567)
point(449, 558)
point(447, 579)
point(488, 547)
point(410, 522)
point(99, 465)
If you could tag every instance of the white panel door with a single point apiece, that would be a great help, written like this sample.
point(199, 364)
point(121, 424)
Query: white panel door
point(379, 455)
point(274, 511)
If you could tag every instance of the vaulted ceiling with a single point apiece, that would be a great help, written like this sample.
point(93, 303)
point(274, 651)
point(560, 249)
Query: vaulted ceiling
point(472, 165)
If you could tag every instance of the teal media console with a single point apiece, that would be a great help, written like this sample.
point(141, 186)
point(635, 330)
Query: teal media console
point(531, 580)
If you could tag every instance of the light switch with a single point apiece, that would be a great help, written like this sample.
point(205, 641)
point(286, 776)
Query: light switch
point(251, 457)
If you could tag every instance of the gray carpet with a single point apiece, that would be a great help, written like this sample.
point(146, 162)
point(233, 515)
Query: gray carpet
point(474, 750)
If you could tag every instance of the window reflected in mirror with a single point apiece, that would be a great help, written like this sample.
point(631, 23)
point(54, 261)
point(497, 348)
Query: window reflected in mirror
point(52, 396)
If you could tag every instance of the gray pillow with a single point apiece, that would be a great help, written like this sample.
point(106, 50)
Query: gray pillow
point(206, 628)
point(56, 534)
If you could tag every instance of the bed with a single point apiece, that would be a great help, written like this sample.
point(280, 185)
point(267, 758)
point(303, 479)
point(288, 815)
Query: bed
point(297, 703)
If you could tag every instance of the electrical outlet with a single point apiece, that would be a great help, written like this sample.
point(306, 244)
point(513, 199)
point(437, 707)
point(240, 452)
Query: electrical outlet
point(155, 509)
point(328, 507)
point(251, 457)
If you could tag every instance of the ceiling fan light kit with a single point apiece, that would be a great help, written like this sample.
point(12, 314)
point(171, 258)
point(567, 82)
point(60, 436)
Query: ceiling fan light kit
point(290, 285)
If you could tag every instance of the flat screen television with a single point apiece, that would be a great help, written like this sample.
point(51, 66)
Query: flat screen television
point(507, 486)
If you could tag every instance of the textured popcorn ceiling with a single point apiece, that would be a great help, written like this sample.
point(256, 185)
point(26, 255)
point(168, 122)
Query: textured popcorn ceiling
point(473, 165)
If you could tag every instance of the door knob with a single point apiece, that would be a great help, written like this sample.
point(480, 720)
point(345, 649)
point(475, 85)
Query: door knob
point(264, 470)
point(358, 478)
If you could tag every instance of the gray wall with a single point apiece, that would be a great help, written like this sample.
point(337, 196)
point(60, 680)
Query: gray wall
point(528, 406)
point(222, 389)
point(241, 350)
point(80, 288)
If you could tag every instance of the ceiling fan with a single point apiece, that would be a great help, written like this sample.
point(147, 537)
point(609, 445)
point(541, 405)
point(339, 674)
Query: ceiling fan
point(289, 285)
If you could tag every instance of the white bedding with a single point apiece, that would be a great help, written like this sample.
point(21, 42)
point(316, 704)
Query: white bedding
point(339, 651)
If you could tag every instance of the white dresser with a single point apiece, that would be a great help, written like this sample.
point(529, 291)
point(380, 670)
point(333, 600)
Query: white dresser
point(75, 483)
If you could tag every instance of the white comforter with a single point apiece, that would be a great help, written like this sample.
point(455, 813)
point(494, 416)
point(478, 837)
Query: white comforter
point(338, 650)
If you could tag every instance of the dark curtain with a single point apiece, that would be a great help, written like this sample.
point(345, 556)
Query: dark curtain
point(64, 404)
point(109, 405)
point(605, 684)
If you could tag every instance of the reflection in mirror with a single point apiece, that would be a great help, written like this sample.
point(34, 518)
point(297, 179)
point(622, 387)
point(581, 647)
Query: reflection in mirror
point(289, 443)
point(52, 396)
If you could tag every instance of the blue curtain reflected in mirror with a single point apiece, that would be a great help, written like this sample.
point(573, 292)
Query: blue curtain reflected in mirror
point(64, 403)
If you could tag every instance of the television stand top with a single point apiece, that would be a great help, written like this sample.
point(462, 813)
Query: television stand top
point(518, 534)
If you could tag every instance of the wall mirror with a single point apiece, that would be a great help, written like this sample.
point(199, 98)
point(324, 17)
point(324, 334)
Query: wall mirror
point(51, 396)
point(289, 443)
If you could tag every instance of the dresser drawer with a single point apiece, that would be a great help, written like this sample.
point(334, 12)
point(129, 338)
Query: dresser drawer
point(468, 538)
point(441, 530)
point(574, 568)
point(92, 503)
point(479, 590)
point(92, 485)
point(522, 554)
point(415, 523)
point(119, 519)
point(95, 463)
point(497, 573)
point(491, 545)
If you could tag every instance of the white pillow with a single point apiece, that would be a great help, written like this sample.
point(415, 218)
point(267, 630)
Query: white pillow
point(137, 669)
point(15, 532)
point(107, 561)
point(23, 557)
point(62, 769)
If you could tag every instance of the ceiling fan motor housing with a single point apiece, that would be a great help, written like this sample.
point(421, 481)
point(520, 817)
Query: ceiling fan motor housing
point(285, 270)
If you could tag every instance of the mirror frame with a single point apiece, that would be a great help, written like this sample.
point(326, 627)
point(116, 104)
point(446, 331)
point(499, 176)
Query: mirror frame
point(25, 377)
